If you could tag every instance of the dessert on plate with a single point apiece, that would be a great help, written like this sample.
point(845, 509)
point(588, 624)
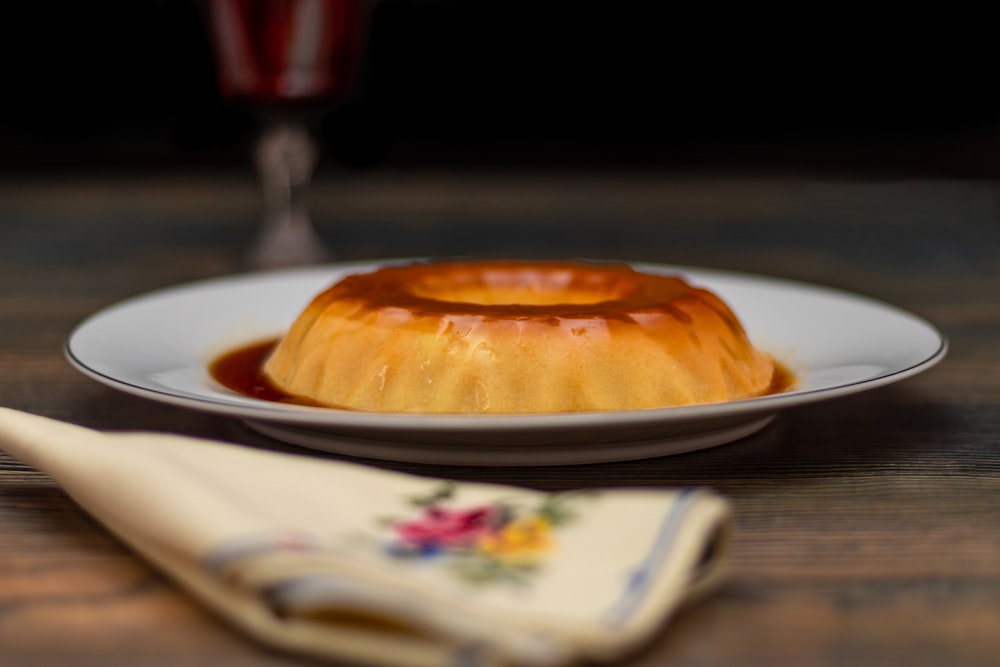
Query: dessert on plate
point(502, 336)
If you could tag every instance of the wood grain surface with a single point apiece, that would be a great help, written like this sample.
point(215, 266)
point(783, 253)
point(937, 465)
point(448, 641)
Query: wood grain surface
point(868, 527)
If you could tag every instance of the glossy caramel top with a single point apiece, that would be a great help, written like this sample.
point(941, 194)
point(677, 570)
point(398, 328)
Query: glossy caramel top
point(492, 289)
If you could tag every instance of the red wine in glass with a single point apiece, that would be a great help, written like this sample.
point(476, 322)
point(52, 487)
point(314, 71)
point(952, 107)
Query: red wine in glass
point(286, 52)
point(287, 58)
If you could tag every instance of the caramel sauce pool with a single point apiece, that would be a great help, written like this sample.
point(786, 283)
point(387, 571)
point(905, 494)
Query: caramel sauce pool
point(241, 371)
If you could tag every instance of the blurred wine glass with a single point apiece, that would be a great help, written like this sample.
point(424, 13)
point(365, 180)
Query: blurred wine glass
point(289, 60)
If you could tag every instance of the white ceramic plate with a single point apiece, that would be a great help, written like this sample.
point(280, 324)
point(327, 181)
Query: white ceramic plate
point(159, 346)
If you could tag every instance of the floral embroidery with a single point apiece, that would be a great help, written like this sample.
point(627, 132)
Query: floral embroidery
point(497, 541)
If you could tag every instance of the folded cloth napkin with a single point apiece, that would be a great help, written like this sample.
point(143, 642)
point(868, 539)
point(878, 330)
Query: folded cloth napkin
point(351, 562)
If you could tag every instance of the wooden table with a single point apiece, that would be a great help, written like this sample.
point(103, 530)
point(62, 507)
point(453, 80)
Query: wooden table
point(868, 527)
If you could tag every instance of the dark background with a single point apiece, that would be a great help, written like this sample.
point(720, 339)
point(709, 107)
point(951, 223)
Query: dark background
point(129, 84)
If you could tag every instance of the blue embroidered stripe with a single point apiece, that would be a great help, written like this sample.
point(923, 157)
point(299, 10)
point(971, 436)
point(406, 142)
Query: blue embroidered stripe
point(247, 546)
point(641, 576)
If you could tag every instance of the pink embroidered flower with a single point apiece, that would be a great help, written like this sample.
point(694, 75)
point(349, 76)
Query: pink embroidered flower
point(439, 528)
point(498, 541)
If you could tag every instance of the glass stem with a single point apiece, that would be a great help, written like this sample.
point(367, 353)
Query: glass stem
point(286, 155)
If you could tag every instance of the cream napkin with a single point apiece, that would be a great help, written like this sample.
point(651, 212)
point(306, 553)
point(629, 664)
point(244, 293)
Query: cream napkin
point(352, 562)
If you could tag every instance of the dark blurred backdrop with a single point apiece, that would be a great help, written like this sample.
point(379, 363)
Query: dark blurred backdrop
point(130, 84)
